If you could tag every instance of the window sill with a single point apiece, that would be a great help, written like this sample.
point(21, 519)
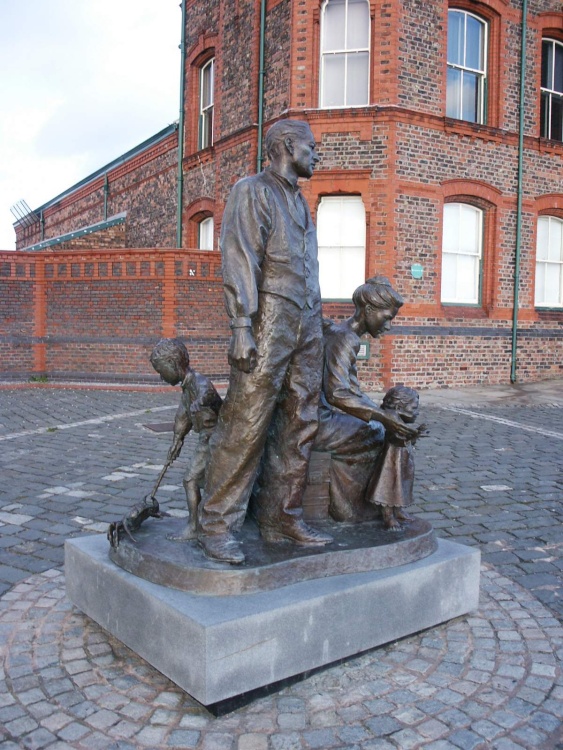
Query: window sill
point(550, 145)
point(451, 310)
point(550, 313)
point(201, 156)
point(338, 112)
point(472, 129)
point(340, 107)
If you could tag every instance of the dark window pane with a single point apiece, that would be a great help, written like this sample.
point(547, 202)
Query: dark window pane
point(544, 115)
point(206, 128)
point(470, 96)
point(557, 118)
point(558, 68)
point(453, 95)
point(546, 64)
point(455, 37)
point(474, 51)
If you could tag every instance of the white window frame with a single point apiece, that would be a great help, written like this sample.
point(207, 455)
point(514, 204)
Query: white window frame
point(347, 53)
point(548, 95)
point(481, 74)
point(457, 252)
point(334, 266)
point(545, 266)
point(205, 232)
point(205, 126)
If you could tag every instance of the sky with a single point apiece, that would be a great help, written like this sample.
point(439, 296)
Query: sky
point(81, 82)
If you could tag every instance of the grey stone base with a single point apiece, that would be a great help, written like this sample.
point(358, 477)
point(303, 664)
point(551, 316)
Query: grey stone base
point(217, 647)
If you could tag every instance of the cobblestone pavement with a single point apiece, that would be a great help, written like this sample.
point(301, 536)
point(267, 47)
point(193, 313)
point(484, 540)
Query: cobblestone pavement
point(489, 475)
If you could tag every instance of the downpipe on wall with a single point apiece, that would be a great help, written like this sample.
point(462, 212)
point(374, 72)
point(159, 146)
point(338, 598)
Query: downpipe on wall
point(181, 128)
point(261, 74)
point(513, 365)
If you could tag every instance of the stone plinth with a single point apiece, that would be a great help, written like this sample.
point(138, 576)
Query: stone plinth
point(356, 548)
point(217, 647)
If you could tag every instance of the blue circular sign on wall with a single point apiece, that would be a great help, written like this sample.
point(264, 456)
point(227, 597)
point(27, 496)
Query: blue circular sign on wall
point(417, 271)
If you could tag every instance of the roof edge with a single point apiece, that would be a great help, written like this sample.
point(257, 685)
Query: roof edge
point(143, 146)
point(111, 222)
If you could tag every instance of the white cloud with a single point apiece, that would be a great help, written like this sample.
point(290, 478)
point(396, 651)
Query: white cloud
point(82, 82)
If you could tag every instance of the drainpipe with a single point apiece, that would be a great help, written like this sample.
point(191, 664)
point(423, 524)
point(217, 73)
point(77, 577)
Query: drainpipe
point(181, 128)
point(42, 224)
point(520, 191)
point(106, 194)
point(261, 74)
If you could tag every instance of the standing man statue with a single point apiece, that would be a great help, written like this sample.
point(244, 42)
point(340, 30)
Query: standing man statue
point(269, 418)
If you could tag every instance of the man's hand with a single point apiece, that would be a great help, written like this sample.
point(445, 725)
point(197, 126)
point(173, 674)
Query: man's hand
point(423, 431)
point(397, 427)
point(242, 349)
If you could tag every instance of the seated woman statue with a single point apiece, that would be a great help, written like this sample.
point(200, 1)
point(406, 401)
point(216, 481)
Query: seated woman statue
point(351, 426)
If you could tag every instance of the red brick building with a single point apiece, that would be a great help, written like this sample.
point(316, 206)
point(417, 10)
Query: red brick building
point(129, 202)
point(441, 166)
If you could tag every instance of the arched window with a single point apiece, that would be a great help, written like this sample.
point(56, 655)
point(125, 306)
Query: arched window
point(462, 253)
point(549, 262)
point(341, 232)
point(205, 234)
point(345, 34)
point(467, 67)
point(551, 123)
point(206, 102)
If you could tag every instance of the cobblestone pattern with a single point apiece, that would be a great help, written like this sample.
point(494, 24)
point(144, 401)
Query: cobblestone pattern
point(491, 680)
point(499, 487)
point(479, 482)
point(74, 460)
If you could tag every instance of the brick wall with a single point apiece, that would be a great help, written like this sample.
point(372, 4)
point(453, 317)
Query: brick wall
point(144, 187)
point(111, 237)
point(16, 314)
point(400, 153)
point(96, 315)
point(277, 54)
point(421, 55)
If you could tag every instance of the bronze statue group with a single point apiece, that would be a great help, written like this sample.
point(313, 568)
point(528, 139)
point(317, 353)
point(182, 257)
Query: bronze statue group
point(293, 384)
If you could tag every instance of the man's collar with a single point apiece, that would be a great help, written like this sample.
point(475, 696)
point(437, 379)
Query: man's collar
point(284, 181)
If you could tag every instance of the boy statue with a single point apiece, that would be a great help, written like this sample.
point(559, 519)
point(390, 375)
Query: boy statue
point(198, 410)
